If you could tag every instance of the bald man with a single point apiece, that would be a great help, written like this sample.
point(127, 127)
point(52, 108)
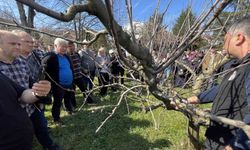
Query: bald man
point(30, 72)
point(16, 131)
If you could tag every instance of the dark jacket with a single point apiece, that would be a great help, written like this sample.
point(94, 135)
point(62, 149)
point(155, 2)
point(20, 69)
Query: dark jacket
point(53, 67)
point(230, 102)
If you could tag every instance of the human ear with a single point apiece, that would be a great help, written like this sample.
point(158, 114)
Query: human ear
point(240, 38)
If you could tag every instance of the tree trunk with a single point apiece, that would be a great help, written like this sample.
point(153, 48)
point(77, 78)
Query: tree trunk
point(22, 15)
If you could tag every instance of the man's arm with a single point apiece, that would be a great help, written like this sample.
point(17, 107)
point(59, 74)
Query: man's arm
point(208, 95)
point(205, 97)
point(39, 89)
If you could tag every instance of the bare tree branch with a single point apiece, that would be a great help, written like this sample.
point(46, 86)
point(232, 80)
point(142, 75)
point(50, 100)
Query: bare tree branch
point(130, 16)
point(185, 43)
point(22, 15)
point(96, 35)
point(118, 104)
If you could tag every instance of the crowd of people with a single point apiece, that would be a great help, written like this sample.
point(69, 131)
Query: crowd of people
point(207, 62)
point(192, 59)
point(26, 66)
point(20, 120)
point(30, 77)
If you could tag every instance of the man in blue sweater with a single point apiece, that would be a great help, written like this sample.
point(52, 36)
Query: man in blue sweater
point(60, 73)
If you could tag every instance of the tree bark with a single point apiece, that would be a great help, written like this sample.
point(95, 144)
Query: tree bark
point(22, 15)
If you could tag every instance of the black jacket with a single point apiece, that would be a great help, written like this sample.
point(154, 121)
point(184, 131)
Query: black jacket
point(230, 102)
point(53, 67)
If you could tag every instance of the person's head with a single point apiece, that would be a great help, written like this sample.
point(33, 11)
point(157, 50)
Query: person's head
point(26, 42)
point(60, 46)
point(101, 51)
point(237, 39)
point(85, 47)
point(71, 47)
point(9, 46)
point(36, 44)
point(50, 47)
point(111, 52)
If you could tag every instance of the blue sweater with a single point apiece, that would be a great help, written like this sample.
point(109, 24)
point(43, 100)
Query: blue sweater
point(65, 72)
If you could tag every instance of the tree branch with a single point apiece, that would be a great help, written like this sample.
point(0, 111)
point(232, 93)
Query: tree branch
point(188, 41)
point(96, 36)
point(22, 14)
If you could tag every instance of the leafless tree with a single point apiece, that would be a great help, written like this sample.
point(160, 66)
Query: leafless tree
point(151, 69)
point(27, 19)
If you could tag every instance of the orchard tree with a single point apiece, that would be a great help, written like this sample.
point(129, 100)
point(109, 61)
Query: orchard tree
point(103, 10)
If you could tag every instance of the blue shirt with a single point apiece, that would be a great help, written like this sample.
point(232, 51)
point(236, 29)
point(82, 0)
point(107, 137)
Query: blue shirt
point(65, 72)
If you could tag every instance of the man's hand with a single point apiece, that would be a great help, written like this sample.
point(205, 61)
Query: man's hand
point(193, 100)
point(41, 88)
point(177, 104)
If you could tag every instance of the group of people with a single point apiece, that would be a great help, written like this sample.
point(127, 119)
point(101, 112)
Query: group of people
point(21, 94)
point(109, 69)
point(28, 76)
point(68, 68)
point(193, 60)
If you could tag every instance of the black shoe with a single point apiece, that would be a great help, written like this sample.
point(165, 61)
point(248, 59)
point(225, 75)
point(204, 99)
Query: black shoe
point(72, 113)
point(58, 122)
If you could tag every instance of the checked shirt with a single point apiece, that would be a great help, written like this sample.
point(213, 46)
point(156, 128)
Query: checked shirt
point(19, 72)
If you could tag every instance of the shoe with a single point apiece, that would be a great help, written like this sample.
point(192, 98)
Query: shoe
point(59, 122)
point(91, 101)
point(72, 113)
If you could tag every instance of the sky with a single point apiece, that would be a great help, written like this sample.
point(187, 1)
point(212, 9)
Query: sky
point(142, 9)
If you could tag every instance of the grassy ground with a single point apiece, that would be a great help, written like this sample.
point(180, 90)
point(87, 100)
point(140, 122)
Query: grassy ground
point(124, 131)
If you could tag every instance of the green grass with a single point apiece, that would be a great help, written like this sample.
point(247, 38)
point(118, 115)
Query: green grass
point(123, 131)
